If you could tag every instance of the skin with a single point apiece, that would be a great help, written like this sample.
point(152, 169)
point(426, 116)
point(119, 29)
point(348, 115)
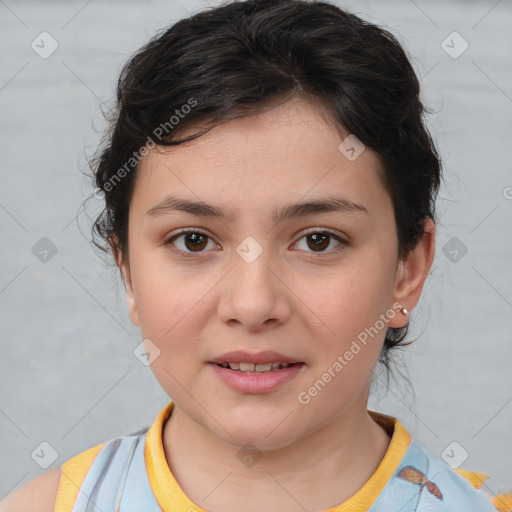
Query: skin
point(37, 495)
point(314, 456)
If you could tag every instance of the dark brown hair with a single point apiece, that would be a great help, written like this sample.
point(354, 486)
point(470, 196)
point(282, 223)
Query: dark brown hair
point(241, 58)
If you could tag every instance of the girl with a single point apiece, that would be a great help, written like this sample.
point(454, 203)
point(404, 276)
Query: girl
point(270, 190)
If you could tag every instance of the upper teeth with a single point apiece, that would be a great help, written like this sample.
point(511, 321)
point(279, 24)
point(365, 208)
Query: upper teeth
point(251, 367)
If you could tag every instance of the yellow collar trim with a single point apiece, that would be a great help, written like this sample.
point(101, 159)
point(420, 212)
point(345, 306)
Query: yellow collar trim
point(363, 499)
point(171, 497)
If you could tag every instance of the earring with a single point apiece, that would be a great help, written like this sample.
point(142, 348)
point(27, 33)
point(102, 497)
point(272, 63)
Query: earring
point(404, 311)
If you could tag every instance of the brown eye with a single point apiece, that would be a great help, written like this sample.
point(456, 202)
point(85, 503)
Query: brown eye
point(319, 241)
point(195, 241)
point(190, 241)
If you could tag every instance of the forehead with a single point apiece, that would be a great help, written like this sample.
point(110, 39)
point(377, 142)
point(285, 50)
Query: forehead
point(285, 154)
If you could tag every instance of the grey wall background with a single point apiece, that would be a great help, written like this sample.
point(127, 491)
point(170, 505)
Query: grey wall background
point(68, 376)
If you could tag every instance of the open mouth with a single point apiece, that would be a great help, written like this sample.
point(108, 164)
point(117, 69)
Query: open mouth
point(257, 368)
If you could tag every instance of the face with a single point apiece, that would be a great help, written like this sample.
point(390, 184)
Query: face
point(306, 286)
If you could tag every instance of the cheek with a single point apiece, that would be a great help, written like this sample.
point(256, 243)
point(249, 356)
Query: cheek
point(348, 301)
point(163, 298)
point(173, 310)
point(346, 321)
point(348, 336)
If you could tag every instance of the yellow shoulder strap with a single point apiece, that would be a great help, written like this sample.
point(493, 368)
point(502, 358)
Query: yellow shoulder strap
point(502, 502)
point(72, 476)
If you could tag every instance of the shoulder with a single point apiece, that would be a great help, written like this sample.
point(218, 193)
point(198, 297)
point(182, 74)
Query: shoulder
point(451, 489)
point(54, 489)
point(38, 495)
point(57, 490)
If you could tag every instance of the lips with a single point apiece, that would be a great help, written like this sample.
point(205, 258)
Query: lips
point(251, 367)
point(254, 358)
point(256, 381)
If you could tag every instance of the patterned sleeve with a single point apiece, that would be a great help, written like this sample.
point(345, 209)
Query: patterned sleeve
point(502, 502)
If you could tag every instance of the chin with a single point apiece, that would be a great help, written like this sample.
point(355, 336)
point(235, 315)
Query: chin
point(258, 442)
point(264, 431)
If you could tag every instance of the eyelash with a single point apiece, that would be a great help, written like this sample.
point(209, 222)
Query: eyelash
point(343, 243)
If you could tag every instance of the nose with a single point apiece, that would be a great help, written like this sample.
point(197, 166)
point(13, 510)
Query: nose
point(253, 293)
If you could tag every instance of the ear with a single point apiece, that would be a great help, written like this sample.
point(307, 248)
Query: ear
point(124, 268)
point(412, 272)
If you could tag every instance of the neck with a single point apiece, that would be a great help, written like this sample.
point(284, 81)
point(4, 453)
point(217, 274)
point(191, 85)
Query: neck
point(321, 470)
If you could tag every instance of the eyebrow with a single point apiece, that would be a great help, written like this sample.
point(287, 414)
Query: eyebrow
point(173, 204)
